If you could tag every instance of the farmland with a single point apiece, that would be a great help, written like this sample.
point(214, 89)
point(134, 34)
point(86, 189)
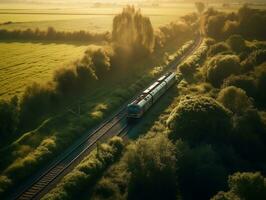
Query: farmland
point(90, 18)
point(24, 63)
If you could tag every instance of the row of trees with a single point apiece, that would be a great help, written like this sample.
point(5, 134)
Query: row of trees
point(52, 35)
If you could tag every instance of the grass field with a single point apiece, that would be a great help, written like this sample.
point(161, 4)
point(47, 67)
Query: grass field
point(23, 63)
point(90, 18)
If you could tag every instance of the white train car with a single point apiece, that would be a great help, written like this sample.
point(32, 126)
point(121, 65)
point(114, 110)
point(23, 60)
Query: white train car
point(150, 95)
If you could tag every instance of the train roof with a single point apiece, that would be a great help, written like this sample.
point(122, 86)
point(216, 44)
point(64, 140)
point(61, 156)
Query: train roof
point(150, 88)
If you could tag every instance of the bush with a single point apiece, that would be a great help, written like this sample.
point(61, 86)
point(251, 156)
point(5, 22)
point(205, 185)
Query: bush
point(200, 172)
point(151, 163)
point(88, 171)
point(254, 59)
point(246, 185)
point(198, 118)
point(260, 74)
point(218, 48)
point(9, 119)
point(235, 99)
point(5, 182)
point(192, 63)
point(237, 43)
point(245, 82)
point(220, 67)
point(36, 102)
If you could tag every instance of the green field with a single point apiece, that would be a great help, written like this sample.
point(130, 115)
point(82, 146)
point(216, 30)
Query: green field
point(91, 18)
point(24, 63)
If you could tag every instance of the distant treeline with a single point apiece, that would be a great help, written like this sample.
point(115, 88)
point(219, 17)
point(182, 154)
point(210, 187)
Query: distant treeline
point(249, 22)
point(53, 35)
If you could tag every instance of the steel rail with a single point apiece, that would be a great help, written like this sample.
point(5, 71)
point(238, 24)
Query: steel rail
point(81, 149)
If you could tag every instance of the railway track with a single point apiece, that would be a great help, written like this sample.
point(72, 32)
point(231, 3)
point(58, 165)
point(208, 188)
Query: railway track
point(115, 125)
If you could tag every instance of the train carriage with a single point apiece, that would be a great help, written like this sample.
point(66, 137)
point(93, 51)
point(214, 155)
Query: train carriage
point(150, 95)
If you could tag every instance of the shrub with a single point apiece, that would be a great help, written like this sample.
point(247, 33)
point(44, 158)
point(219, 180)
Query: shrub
point(9, 119)
point(88, 171)
point(218, 48)
point(151, 163)
point(192, 63)
point(5, 182)
point(237, 43)
point(245, 82)
point(260, 74)
point(246, 185)
point(220, 67)
point(254, 59)
point(199, 118)
point(36, 101)
point(200, 172)
point(235, 99)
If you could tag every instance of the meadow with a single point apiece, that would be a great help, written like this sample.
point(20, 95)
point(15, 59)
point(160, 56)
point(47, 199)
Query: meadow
point(91, 18)
point(21, 64)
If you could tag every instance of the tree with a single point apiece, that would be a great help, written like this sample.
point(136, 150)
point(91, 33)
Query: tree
point(218, 48)
point(237, 43)
point(131, 29)
point(199, 118)
point(220, 67)
point(101, 62)
point(200, 6)
point(200, 172)
point(235, 99)
point(246, 185)
point(245, 82)
point(151, 163)
point(9, 118)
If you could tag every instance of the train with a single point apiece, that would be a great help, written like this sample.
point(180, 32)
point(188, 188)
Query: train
point(150, 95)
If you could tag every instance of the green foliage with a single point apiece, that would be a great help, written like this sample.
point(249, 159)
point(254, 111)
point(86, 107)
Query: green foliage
point(151, 163)
point(199, 118)
point(190, 65)
point(245, 82)
point(260, 74)
point(171, 33)
point(246, 185)
point(200, 172)
point(200, 6)
point(52, 35)
point(237, 43)
point(17, 170)
point(5, 182)
point(220, 67)
point(256, 58)
point(9, 119)
point(131, 28)
point(88, 171)
point(248, 22)
point(218, 48)
point(235, 99)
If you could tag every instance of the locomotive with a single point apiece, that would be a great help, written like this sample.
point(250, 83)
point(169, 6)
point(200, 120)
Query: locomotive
point(149, 96)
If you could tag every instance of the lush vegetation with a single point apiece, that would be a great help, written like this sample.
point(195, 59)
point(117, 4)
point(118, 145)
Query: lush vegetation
point(88, 171)
point(52, 35)
point(34, 62)
point(52, 106)
point(210, 142)
point(248, 22)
